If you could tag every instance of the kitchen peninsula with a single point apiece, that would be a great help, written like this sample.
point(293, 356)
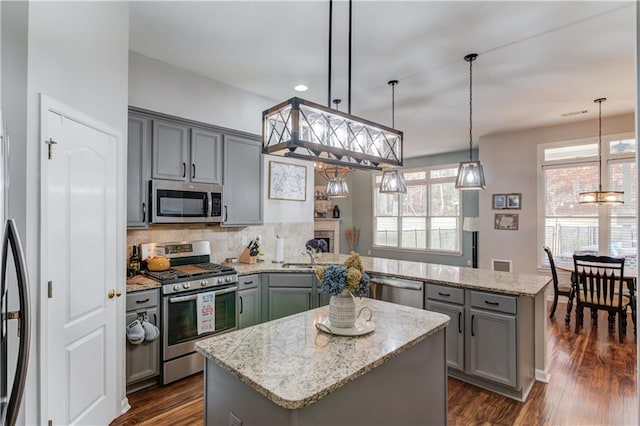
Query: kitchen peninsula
point(287, 372)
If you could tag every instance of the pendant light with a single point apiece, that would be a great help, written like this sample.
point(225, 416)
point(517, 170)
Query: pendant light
point(393, 180)
point(470, 173)
point(600, 196)
point(336, 185)
point(298, 128)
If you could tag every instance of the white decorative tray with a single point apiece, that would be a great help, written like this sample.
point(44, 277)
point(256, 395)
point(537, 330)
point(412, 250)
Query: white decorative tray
point(360, 328)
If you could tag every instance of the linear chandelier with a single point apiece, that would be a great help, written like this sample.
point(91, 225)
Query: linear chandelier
point(600, 196)
point(301, 129)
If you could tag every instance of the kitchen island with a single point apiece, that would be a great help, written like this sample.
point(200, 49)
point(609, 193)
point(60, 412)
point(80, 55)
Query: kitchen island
point(287, 372)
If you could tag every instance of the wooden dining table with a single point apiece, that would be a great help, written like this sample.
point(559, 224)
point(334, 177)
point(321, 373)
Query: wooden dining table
point(629, 276)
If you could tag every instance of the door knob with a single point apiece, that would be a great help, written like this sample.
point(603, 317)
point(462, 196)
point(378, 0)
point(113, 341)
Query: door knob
point(114, 293)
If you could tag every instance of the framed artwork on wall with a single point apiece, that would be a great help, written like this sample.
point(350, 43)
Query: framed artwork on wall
point(287, 181)
point(513, 201)
point(499, 201)
point(506, 221)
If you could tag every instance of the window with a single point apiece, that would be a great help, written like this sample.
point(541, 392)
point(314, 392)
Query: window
point(426, 218)
point(569, 227)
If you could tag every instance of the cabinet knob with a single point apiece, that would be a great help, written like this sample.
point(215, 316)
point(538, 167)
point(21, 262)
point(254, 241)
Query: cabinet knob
point(114, 293)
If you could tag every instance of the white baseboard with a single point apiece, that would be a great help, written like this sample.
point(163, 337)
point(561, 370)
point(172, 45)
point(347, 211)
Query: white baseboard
point(124, 405)
point(542, 376)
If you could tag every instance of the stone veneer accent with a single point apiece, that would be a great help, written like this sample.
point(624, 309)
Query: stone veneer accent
point(227, 242)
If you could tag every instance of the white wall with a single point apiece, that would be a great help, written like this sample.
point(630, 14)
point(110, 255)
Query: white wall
point(161, 87)
point(77, 55)
point(510, 165)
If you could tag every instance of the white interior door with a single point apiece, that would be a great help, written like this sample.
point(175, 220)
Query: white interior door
point(79, 258)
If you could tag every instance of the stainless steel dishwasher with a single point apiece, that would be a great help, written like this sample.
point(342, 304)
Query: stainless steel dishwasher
point(397, 290)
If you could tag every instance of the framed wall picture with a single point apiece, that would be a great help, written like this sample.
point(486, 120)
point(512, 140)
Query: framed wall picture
point(513, 201)
point(507, 221)
point(287, 181)
point(499, 201)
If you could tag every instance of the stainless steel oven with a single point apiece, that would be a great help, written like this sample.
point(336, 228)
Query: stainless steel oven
point(185, 202)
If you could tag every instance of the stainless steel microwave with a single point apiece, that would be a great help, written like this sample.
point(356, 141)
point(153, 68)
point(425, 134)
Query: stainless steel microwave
point(185, 202)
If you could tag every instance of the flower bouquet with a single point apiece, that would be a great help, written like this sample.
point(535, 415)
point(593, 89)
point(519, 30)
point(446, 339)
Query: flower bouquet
point(342, 282)
point(317, 246)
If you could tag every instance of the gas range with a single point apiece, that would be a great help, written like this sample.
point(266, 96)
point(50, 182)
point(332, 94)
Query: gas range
point(191, 268)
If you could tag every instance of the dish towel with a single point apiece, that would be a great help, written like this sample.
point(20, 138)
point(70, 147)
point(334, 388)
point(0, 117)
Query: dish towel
point(206, 311)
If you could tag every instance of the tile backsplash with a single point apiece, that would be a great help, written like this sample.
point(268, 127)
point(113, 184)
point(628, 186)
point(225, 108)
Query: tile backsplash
point(227, 242)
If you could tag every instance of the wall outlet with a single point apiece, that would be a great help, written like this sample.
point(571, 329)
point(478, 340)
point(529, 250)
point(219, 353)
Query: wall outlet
point(368, 252)
point(234, 420)
point(245, 241)
point(469, 262)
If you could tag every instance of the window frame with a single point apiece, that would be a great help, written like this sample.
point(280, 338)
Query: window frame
point(608, 158)
point(427, 181)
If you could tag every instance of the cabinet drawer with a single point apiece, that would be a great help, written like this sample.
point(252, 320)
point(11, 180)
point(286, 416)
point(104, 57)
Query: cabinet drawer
point(142, 300)
point(291, 280)
point(444, 293)
point(494, 302)
point(248, 281)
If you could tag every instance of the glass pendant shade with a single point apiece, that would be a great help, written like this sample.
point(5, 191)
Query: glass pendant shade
point(301, 129)
point(393, 182)
point(470, 176)
point(337, 188)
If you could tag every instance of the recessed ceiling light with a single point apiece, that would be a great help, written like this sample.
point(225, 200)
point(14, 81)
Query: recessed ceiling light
point(301, 88)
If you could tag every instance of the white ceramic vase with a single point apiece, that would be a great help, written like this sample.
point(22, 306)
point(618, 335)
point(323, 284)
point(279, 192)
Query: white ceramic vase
point(342, 310)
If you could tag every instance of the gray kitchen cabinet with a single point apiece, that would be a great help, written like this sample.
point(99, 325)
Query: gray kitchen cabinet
point(455, 331)
point(138, 170)
point(250, 301)
point(492, 346)
point(143, 360)
point(242, 199)
point(206, 156)
point(170, 151)
point(289, 294)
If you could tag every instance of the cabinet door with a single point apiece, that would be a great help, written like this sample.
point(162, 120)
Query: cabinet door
point(322, 298)
point(143, 360)
point(288, 301)
point(455, 331)
point(242, 182)
point(493, 346)
point(206, 157)
point(138, 170)
point(170, 150)
point(250, 312)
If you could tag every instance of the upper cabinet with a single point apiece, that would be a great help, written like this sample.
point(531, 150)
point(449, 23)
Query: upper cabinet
point(242, 202)
point(163, 147)
point(138, 170)
point(186, 154)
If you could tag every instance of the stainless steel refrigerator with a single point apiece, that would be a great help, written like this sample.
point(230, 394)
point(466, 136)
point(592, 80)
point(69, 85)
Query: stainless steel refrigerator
point(14, 293)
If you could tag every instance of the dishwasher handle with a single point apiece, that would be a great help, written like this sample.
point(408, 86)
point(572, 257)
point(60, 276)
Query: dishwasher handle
point(398, 283)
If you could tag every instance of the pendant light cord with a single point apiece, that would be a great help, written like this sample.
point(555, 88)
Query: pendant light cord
point(599, 101)
point(470, 108)
point(330, 46)
point(349, 77)
point(393, 103)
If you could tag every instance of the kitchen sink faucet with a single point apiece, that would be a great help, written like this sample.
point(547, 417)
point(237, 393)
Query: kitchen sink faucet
point(311, 253)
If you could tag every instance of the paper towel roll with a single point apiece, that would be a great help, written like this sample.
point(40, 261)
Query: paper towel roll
point(279, 250)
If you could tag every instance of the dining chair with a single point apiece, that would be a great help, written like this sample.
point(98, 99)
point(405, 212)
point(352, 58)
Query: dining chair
point(600, 284)
point(559, 289)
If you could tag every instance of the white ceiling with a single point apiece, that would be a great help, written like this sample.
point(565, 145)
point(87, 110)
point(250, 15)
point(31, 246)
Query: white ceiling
point(537, 60)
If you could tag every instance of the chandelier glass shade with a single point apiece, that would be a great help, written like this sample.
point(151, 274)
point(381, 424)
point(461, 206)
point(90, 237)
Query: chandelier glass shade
point(336, 185)
point(301, 129)
point(600, 196)
point(393, 182)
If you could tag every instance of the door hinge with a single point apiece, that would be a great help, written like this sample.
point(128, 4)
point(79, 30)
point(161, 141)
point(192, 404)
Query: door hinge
point(49, 143)
point(50, 289)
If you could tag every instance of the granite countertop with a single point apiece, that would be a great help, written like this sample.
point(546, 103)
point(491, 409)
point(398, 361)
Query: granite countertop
point(516, 284)
point(294, 365)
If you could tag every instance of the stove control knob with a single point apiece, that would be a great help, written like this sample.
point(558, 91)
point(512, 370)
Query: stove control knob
point(229, 279)
point(176, 287)
point(220, 280)
point(186, 285)
point(203, 283)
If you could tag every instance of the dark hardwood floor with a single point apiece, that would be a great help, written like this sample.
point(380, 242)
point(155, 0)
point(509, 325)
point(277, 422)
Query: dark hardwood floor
point(593, 382)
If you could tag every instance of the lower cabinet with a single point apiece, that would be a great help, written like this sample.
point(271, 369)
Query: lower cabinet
point(493, 346)
point(250, 301)
point(290, 294)
point(487, 343)
point(142, 360)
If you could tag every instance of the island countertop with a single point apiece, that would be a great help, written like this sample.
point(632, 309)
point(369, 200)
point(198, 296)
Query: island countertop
point(294, 365)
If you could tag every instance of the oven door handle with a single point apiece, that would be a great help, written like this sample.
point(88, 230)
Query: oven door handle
point(195, 296)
